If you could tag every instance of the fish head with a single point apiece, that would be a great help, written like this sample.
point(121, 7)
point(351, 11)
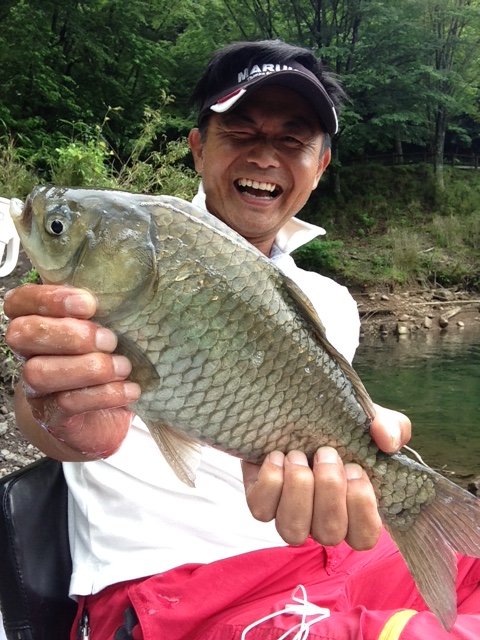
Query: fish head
point(93, 239)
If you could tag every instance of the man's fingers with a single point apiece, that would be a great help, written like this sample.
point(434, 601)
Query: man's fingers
point(49, 300)
point(34, 335)
point(63, 409)
point(44, 374)
point(295, 509)
point(81, 433)
point(264, 485)
point(330, 518)
point(390, 429)
point(364, 523)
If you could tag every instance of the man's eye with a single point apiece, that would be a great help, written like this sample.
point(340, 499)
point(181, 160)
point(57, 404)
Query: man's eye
point(292, 141)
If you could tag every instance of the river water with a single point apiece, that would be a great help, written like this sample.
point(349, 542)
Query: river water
point(435, 380)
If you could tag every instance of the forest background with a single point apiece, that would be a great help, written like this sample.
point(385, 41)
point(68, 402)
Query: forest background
point(97, 93)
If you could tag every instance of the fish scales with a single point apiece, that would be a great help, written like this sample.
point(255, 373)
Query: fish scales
point(230, 353)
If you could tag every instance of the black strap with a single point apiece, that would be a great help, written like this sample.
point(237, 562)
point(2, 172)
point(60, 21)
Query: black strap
point(130, 621)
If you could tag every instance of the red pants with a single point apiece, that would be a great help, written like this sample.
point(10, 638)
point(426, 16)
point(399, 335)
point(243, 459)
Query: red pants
point(363, 590)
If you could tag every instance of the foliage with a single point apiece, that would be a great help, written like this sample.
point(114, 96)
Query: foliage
point(157, 171)
point(320, 255)
point(394, 235)
point(409, 67)
point(16, 176)
point(31, 277)
point(82, 164)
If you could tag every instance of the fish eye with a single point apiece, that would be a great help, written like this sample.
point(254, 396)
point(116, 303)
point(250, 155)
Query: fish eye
point(57, 222)
point(56, 227)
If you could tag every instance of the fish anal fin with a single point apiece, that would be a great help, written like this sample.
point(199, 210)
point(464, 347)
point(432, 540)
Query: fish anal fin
point(308, 312)
point(182, 454)
point(450, 524)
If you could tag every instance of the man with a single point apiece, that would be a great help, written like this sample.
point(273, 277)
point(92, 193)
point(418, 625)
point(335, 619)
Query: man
point(153, 558)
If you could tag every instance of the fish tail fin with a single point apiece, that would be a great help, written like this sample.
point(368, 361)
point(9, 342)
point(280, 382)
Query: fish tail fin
point(450, 524)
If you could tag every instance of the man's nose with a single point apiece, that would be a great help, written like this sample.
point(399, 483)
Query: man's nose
point(263, 153)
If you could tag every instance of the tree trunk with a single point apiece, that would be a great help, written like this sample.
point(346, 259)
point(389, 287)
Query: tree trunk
point(439, 144)
point(398, 150)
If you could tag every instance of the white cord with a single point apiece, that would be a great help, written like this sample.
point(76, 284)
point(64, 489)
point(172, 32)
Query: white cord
point(301, 608)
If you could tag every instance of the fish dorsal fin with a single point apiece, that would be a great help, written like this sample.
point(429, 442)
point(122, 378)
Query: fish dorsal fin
point(182, 454)
point(308, 312)
point(143, 371)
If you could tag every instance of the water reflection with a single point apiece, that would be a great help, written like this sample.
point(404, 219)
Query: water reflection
point(435, 380)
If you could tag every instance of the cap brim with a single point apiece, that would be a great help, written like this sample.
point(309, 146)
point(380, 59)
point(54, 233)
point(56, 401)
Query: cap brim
point(305, 85)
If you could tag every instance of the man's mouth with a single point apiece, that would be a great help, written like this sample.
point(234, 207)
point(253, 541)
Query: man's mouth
point(265, 190)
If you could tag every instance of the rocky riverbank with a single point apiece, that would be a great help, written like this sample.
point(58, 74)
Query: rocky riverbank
point(417, 310)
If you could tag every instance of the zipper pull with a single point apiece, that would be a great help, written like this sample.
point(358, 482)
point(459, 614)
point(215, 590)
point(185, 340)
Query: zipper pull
point(84, 627)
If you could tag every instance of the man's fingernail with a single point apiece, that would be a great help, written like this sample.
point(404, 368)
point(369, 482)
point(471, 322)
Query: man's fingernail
point(132, 391)
point(394, 436)
point(326, 454)
point(353, 471)
point(297, 457)
point(105, 340)
point(277, 458)
point(80, 304)
point(121, 366)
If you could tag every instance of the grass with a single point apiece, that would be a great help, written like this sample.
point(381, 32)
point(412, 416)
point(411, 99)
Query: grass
point(392, 229)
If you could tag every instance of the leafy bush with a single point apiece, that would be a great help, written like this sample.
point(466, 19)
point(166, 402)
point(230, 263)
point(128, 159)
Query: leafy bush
point(82, 164)
point(322, 256)
point(17, 177)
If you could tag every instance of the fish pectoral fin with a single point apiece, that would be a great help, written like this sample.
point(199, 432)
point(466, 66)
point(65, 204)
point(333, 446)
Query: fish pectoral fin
point(181, 453)
point(449, 524)
point(308, 312)
point(143, 371)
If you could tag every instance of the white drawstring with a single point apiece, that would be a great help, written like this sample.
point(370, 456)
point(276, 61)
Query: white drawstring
point(301, 608)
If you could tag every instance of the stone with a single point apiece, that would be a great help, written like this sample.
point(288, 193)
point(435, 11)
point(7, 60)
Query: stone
point(444, 294)
point(427, 322)
point(443, 322)
point(401, 329)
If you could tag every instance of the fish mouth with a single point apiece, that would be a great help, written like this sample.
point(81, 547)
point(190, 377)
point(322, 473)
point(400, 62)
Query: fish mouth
point(22, 213)
point(258, 189)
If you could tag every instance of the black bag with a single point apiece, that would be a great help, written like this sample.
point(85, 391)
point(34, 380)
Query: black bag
point(35, 564)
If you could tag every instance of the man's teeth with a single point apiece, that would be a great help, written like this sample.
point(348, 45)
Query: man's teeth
point(263, 186)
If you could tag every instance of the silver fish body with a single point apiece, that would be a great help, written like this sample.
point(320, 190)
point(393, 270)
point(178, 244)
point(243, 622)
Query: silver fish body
point(230, 353)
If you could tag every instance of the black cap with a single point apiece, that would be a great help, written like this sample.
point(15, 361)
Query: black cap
point(293, 75)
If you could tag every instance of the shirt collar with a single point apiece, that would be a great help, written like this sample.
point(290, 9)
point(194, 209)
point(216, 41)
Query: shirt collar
point(294, 233)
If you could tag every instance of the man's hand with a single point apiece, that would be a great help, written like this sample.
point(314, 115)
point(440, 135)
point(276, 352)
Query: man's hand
point(72, 399)
point(332, 502)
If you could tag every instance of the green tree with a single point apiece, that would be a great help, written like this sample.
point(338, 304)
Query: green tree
point(453, 37)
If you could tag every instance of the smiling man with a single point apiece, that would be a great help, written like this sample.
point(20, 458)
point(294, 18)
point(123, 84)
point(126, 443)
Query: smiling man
point(260, 162)
point(153, 558)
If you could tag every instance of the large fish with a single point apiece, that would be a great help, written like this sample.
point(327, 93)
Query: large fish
point(229, 352)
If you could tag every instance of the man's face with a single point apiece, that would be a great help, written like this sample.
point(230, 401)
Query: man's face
point(260, 162)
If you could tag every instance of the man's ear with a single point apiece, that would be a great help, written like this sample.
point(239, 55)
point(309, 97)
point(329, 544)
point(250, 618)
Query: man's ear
point(196, 147)
point(323, 163)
